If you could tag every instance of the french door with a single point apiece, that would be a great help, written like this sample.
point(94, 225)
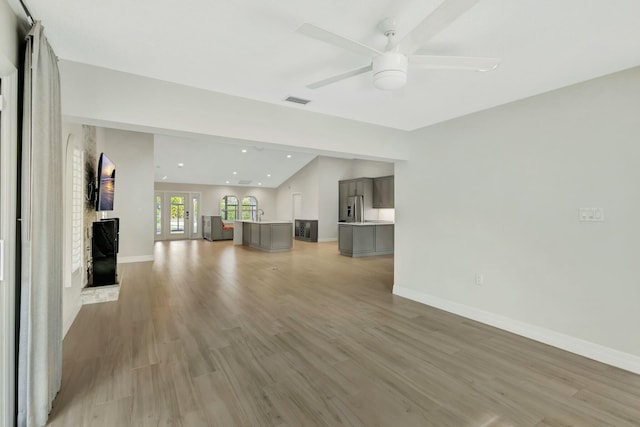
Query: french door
point(177, 215)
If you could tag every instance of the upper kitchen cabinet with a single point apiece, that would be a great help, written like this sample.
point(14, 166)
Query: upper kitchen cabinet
point(353, 187)
point(383, 193)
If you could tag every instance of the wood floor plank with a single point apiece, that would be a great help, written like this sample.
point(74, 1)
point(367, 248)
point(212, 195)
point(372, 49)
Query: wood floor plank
point(211, 334)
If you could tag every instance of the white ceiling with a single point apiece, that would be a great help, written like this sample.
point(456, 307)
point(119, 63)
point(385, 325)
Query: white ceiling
point(214, 160)
point(250, 49)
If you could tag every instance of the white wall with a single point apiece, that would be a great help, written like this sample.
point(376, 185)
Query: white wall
point(305, 183)
point(12, 32)
point(132, 153)
point(210, 196)
point(498, 193)
point(147, 104)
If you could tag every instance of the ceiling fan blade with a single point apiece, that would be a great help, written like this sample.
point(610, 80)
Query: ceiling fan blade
point(455, 62)
point(318, 33)
point(436, 21)
point(339, 77)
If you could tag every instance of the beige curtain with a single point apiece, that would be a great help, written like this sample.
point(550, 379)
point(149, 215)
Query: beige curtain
point(40, 345)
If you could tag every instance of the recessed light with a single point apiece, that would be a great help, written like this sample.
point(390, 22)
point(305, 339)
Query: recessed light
point(259, 183)
point(235, 173)
point(244, 150)
point(268, 175)
point(289, 156)
point(227, 182)
point(164, 177)
point(180, 165)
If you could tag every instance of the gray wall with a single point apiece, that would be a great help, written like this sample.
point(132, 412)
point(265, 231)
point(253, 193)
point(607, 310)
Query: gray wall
point(498, 193)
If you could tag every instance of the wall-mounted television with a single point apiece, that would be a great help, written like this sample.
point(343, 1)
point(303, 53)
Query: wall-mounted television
point(106, 183)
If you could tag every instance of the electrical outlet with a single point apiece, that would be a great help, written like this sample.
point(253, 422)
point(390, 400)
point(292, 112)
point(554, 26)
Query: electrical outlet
point(479, 279)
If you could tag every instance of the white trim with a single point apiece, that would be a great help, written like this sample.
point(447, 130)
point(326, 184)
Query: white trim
point(569, 343)
point(138, 258)
point(327, 239)
point(8, 197)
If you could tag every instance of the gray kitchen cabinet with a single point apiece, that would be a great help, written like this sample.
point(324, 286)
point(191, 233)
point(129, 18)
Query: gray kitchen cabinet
point(343, 193)
point(383, 192)
point(269, 236)
point(384, 238)
point(356, 187)
point(254, 240)
point(345, 240)
point(306, 229)
point(359, 240)
point(246, 233)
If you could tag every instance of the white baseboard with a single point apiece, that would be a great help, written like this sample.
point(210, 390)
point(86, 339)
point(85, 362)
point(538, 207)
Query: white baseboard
point(327, 239)
point(610, 356)
point(139, 258)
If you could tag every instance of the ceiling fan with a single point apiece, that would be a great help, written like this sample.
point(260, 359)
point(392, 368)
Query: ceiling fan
point(389, 67)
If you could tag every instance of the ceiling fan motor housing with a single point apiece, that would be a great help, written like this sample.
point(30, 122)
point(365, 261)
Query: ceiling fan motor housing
point(390, 71)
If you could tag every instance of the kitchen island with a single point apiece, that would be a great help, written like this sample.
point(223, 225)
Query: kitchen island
point(359, 239)
point(269, 236)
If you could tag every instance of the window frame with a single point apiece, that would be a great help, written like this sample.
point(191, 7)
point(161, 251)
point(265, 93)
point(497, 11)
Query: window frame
point(252, 208)
point(224, 207)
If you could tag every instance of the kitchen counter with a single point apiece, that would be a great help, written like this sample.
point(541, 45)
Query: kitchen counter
point(269, 236)
point(358, 239)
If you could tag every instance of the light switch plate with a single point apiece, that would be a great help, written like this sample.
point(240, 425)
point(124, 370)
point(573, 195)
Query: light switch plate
point(591, 214)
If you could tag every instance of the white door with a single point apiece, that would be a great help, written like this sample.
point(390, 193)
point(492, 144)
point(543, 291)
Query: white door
point(296, 201)
point(177, 218)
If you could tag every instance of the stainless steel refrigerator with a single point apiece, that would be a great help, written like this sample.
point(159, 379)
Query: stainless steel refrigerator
point(355, 209)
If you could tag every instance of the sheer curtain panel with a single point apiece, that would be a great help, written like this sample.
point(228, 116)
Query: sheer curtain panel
point(40, 344)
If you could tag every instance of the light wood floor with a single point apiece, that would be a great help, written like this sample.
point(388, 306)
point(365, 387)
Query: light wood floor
point(215, 335)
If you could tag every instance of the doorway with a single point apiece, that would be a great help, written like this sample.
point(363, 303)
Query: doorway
point(296, 203)
point(177, 215)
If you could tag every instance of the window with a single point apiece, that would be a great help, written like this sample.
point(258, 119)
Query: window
point(229, 208)
point(249, 208)
point(195, 200)
point(158, 215)
point(77, 196)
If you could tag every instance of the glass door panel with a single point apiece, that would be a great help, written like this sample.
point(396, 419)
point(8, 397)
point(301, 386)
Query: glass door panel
point(195, 216)
point(178, 216)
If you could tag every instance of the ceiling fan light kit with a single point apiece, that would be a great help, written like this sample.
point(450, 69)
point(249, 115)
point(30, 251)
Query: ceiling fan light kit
point(390, 67)
point(390, 71)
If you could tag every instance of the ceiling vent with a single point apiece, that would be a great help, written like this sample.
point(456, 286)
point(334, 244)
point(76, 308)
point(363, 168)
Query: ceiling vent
point(297, 100)
point(244, 182)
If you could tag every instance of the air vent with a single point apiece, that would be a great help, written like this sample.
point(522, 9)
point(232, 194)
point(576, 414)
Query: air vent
point(297, 100)
point(244, 182)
